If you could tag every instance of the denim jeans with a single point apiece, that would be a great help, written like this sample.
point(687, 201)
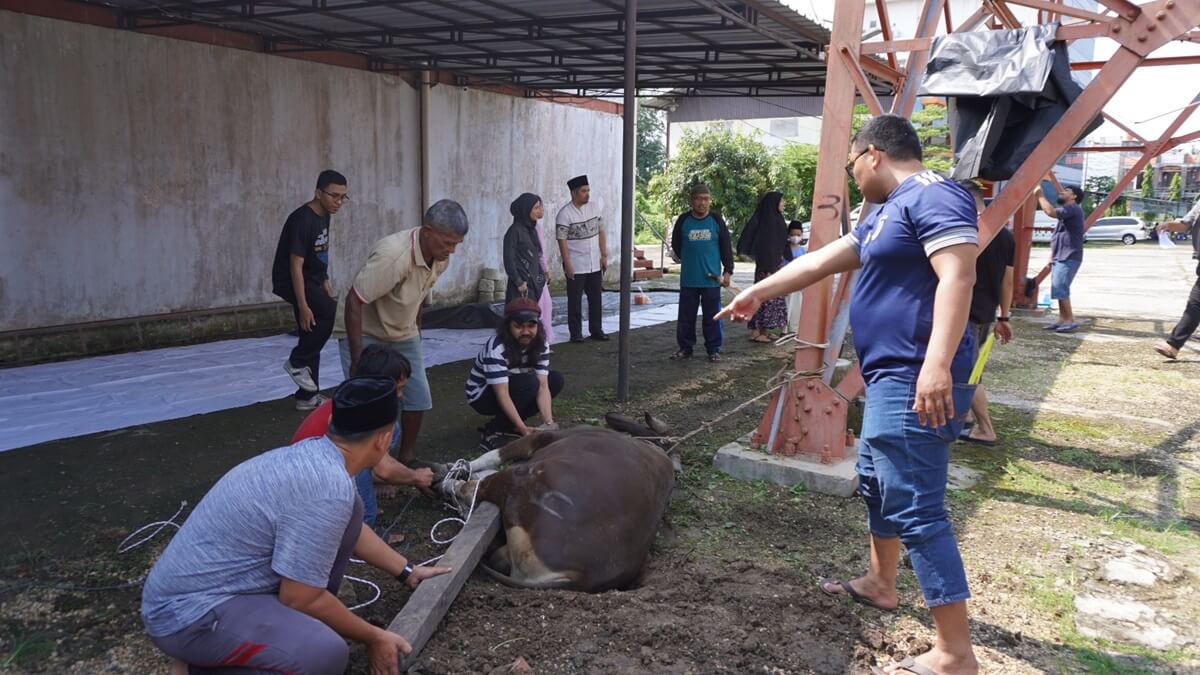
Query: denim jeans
point(365, 482)
point(902, 468)
point(1062, 275)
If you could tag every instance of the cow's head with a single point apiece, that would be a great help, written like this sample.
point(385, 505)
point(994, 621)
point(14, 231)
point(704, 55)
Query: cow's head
point(650, 429)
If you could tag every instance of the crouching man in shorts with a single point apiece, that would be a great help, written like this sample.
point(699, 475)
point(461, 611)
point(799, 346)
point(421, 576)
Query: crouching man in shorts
point(250, 581)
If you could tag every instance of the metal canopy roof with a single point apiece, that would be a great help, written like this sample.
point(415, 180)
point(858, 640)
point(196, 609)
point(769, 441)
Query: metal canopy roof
point(705, 47)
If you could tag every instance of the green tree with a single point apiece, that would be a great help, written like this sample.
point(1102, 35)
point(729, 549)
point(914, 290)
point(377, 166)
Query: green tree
point(1175, 193)
point(1148, 182)
point(794, 173)
point(735, 167)
point(1095, 189)
point(934, 132)
point(651, 148)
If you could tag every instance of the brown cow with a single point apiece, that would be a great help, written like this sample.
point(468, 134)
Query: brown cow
point(580, 506)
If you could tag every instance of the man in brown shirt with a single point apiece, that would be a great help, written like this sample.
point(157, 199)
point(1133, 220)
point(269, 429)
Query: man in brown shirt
point(383, 305)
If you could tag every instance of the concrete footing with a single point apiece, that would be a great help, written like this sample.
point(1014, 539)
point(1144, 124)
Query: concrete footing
point(738, 460)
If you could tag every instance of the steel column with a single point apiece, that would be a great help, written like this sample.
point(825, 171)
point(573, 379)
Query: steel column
point(915, 67)
point(628, 149)
point(809, 416)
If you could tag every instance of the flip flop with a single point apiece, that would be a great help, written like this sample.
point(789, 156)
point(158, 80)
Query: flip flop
point(1053, 326)
point(908, 665)
point(1067, 328)
point(762, 339)
point(965, 437)
point(854, 595)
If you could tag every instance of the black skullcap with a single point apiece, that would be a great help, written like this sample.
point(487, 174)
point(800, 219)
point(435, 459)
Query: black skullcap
point(577, 182)
point(363, 404)
point(699, 189)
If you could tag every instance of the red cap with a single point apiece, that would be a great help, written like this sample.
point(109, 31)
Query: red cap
point(522, 306)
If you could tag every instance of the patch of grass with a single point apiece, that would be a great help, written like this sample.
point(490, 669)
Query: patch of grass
point(26, 649)
point(1051, 596)
point(1170, 539)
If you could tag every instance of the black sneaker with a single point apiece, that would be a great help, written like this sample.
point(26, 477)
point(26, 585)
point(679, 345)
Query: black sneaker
point(577, 339)
point(599, 337)
point(496, 440)
point(681, 355)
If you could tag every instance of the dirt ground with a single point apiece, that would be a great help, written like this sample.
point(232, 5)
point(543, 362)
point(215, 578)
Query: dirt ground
point(1101, 441)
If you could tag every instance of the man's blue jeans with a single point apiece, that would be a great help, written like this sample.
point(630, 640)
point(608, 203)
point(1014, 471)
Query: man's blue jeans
point(691, 299)
point(902, 468)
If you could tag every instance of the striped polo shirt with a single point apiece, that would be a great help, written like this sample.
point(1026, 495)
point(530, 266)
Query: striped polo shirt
point(491, 367)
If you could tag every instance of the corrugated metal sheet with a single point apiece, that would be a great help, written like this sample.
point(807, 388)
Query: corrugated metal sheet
point(704, 108)
point(576, 46)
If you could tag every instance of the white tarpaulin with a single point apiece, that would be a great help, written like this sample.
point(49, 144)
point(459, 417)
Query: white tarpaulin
point(71, 398)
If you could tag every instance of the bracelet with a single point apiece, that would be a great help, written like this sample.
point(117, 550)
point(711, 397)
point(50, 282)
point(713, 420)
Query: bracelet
point(405, 574)
point(1002, 318)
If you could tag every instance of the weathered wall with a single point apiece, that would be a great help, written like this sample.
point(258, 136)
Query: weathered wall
point(141, 175)
point(488, 149)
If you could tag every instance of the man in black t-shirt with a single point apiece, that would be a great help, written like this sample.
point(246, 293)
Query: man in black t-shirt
point(993, 289)
point(300, 276)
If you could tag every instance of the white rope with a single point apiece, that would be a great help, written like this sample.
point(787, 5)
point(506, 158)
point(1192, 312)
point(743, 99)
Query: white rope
point(162, 524)
point(460, 470)
point(795, 337)
point(378, 592)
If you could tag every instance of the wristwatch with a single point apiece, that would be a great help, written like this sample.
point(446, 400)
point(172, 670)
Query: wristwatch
point(404, 575)
point(1002, 318)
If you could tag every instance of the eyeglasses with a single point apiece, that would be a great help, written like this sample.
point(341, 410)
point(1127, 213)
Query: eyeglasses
point(850, 164)
point(336, 197)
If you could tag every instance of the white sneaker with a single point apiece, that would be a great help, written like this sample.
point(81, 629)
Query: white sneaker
point(312, 403)
point(301, 376)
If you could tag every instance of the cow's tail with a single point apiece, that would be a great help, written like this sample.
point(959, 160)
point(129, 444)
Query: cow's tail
point(561, 583)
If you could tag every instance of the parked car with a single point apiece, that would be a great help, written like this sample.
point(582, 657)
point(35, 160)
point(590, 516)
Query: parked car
point(1043, 226)
point(1125, 229)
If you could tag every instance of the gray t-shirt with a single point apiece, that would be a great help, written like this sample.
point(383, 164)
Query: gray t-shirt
point(280, 514)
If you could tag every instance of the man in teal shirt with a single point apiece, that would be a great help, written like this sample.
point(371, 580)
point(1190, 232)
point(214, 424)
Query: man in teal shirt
point(703, 246)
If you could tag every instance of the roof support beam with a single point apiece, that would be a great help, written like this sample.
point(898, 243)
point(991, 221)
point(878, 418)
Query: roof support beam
point(1063, 9)
point(716, 7)
point(628, 151)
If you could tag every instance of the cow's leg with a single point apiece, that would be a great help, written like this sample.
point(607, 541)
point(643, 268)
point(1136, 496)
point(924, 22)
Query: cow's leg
point(488, 461)
point(499, 561)
point(523, 448)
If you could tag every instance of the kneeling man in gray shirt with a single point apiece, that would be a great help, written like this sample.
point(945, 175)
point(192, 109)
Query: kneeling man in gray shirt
point(249, 583)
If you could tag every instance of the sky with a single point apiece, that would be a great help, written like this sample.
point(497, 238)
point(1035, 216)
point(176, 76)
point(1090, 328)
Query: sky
point(1147, 94)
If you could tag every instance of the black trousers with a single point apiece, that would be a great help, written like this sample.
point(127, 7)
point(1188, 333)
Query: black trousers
point(310, 343)
point(1191, 316)
point(593, 284)
point(523, 390)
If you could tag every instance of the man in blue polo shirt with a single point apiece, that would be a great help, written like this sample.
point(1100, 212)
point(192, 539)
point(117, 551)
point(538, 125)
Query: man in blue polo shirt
point(1066, 251)
point(701, 241)
point(908, 314)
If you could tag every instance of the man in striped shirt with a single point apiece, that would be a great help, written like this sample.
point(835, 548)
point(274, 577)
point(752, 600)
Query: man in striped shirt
point(511, 378)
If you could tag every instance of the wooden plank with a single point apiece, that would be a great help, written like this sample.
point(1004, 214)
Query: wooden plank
point(432, 599)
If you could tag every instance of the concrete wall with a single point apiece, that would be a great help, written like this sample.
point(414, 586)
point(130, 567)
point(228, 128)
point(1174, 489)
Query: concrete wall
point(142, 175)
point(488, 149)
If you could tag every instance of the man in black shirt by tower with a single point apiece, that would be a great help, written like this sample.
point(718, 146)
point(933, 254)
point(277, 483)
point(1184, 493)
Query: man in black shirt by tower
point(993, 289)
point(300, 276)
